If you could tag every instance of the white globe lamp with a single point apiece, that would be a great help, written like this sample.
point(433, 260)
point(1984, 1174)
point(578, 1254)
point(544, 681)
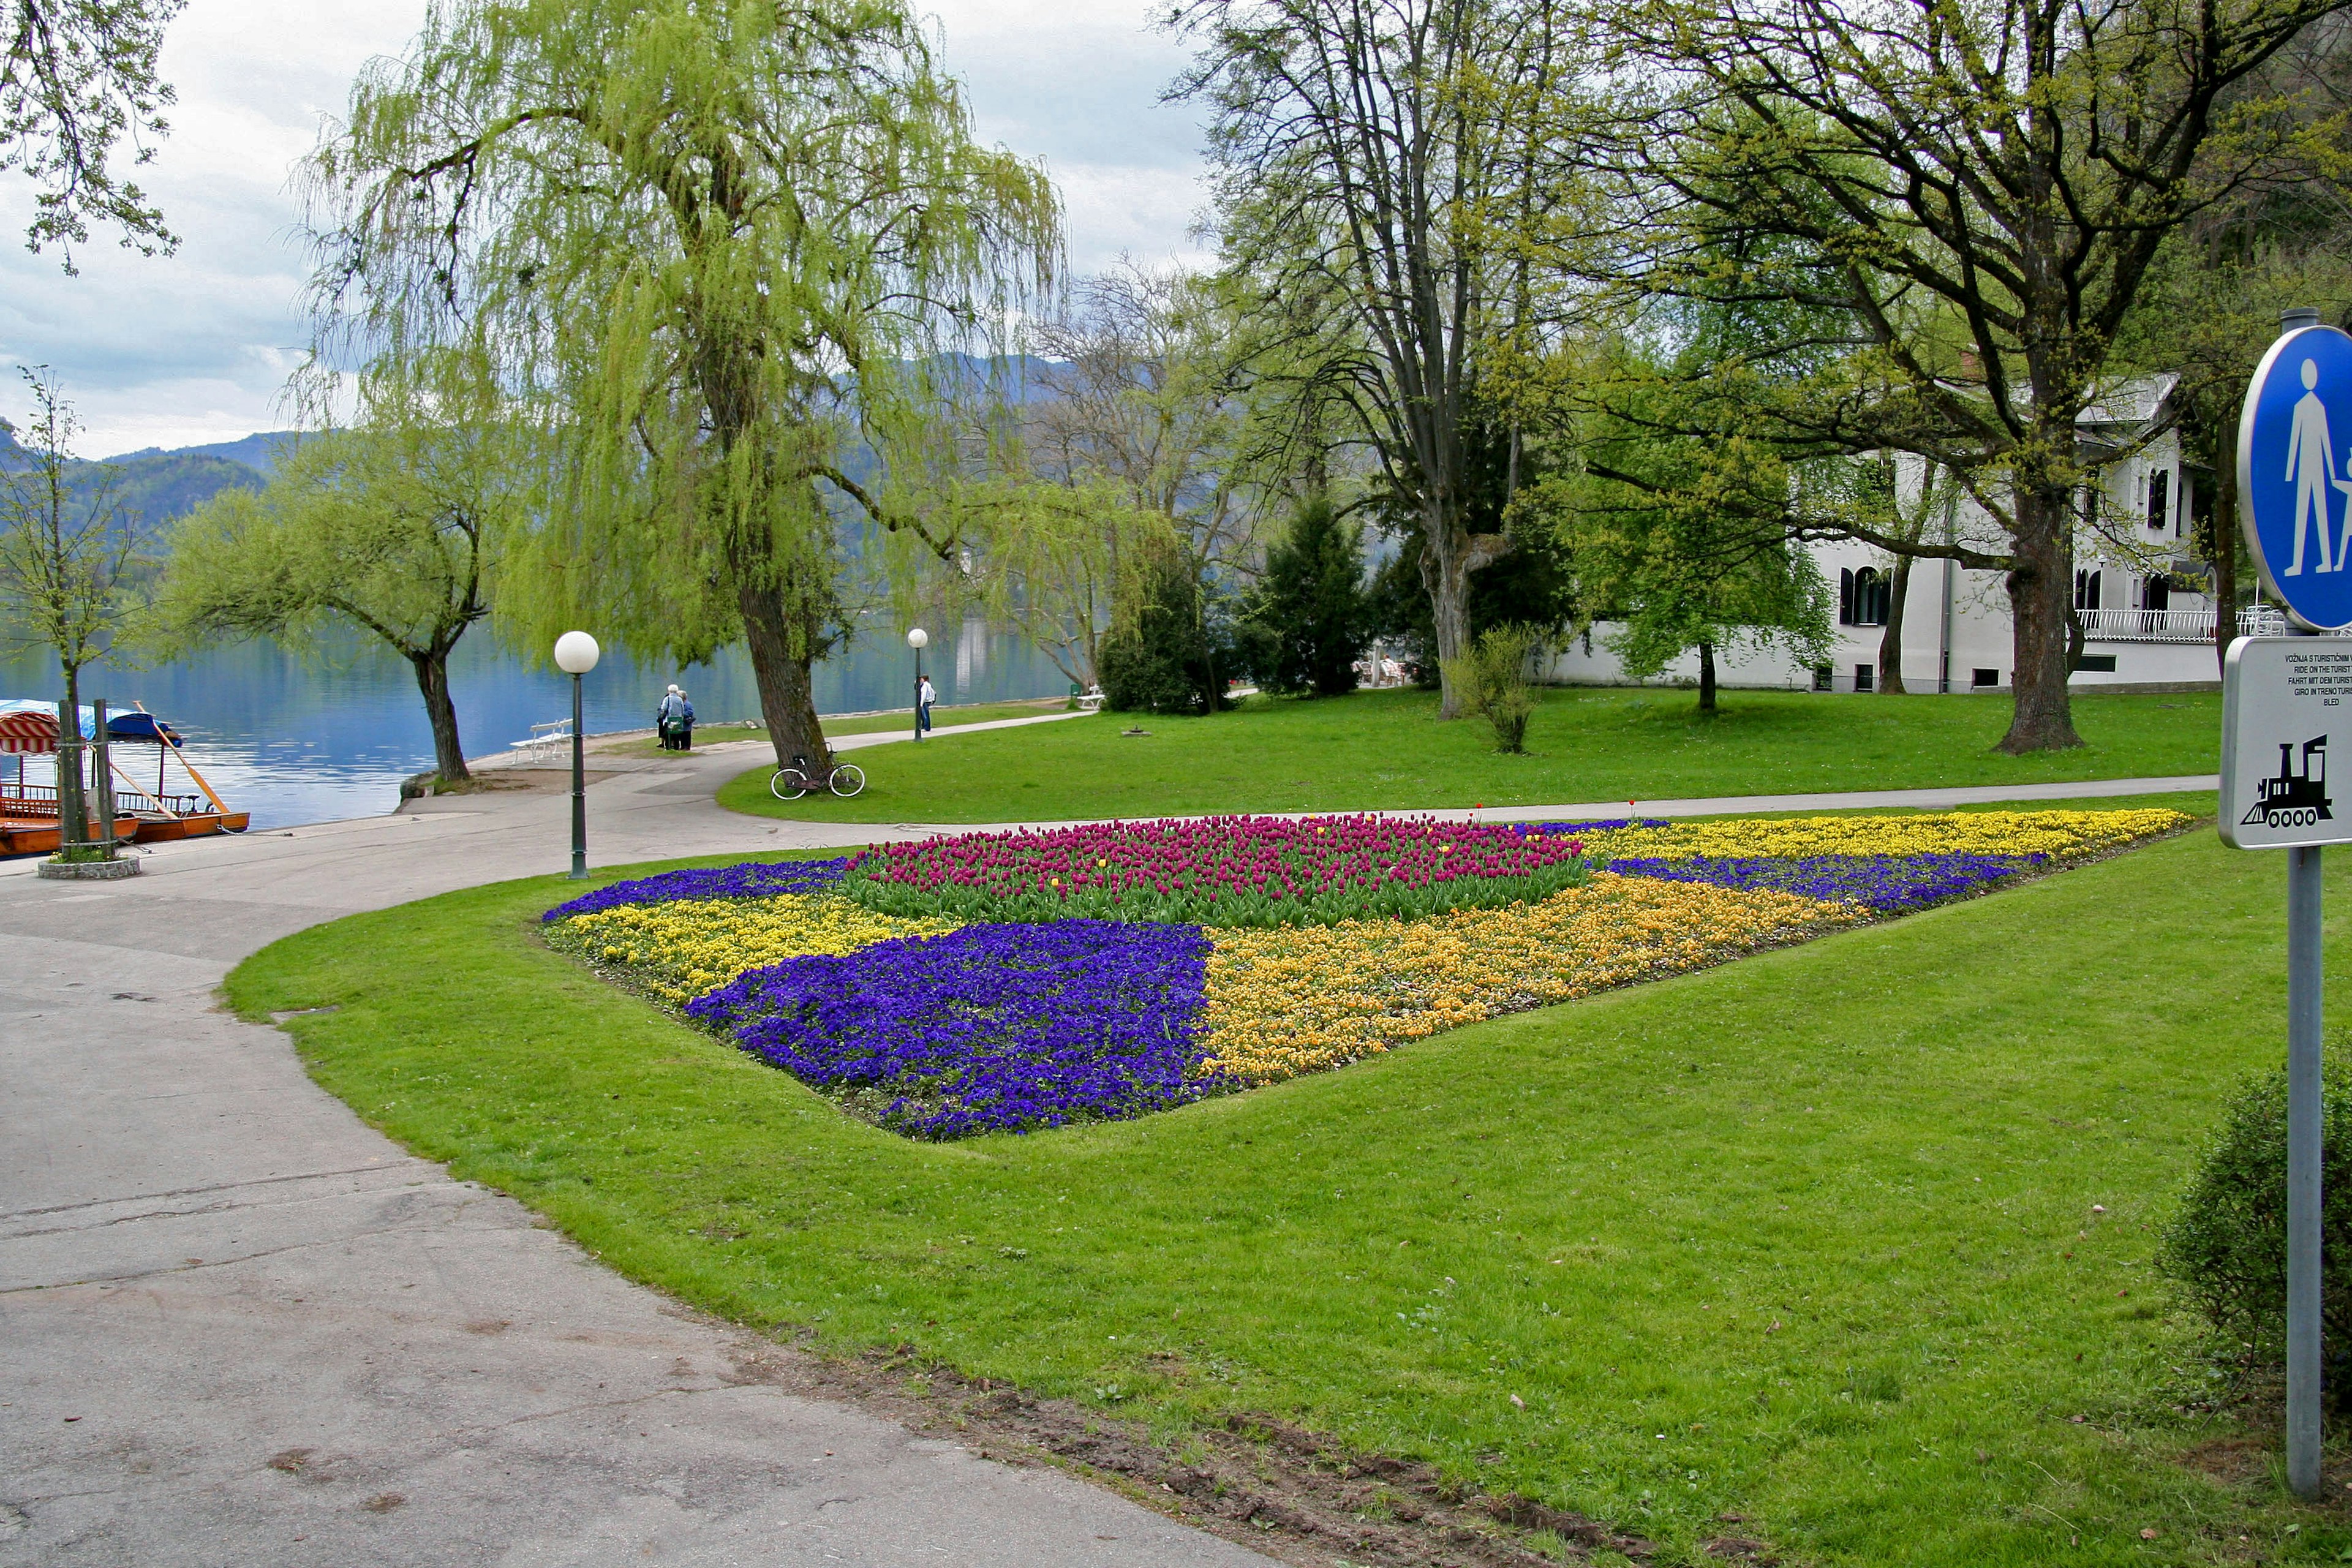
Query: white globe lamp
point(576, 653)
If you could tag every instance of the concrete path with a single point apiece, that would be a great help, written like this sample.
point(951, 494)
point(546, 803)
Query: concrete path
point(238, 1327)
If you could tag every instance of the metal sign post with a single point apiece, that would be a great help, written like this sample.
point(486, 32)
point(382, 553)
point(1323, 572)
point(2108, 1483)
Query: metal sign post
point(2281, 700)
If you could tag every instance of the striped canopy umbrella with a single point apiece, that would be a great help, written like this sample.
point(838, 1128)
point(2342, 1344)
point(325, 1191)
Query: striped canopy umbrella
point(27, 731)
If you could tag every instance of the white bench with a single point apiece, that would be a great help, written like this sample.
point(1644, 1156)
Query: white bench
point(1092, 701)
point(545, 737)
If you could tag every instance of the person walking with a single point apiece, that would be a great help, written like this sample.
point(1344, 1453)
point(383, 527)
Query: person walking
point(924, 697)
point(675, 720)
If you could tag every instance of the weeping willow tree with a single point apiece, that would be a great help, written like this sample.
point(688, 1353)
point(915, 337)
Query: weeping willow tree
point(719, 245)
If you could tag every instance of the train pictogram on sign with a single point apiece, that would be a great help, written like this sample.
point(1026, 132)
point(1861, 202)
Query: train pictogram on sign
point(2289, 799)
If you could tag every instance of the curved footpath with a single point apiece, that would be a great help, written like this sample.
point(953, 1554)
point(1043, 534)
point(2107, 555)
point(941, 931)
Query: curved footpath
point(239, 1326)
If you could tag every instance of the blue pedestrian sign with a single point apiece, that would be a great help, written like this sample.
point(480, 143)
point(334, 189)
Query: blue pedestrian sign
point(2294, 474)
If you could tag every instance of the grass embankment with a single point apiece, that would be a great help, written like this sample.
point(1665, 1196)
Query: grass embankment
point(1809, 1237)
point(942, 717)
point(1387, 749)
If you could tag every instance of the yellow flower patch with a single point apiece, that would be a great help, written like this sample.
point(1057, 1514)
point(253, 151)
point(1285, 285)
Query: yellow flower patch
point(1288, 1000)
point(2061, 834)
point(687, 946)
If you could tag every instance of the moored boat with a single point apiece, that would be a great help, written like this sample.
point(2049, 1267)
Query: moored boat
point(29, 823)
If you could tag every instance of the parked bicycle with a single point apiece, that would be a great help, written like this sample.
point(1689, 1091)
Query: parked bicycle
point(802, 777)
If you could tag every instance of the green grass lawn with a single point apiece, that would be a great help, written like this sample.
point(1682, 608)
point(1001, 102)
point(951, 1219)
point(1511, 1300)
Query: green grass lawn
point(1388, 749)
point(942, 717)
point(1809, 1237)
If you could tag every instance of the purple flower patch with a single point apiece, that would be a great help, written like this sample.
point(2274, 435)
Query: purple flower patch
point(749, 880)
point(1885, 882)
point(989, 1028)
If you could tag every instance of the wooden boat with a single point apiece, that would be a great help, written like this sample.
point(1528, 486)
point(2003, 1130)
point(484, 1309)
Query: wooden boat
point(28, 811)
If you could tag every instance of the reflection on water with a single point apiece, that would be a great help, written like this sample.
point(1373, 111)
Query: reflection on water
point(294, 740)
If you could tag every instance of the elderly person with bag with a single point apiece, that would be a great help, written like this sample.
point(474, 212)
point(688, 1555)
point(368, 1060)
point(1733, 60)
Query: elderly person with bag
point(675, 720)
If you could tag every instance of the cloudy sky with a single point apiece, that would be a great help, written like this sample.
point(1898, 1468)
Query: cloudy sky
point(178, 351)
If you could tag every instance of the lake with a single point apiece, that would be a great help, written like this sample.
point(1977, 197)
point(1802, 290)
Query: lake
point(296, 740)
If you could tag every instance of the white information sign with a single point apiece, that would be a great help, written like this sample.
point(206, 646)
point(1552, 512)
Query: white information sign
point(2281, 698)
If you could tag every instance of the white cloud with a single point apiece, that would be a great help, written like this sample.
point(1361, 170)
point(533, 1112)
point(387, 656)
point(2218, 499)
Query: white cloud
point(196, 348)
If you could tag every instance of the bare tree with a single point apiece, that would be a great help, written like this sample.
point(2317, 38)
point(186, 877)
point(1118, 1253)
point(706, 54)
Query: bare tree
point(1385, 169)
point(67, 555)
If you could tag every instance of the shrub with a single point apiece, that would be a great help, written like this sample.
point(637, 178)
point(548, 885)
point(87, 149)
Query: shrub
point(1309, 619)
point(1160, 657)
point(2226, 1247)
point(1492, 678)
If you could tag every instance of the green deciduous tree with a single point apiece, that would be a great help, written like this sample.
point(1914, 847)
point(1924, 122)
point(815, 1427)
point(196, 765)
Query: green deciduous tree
point(721, 242)
point(78, 79)
point(1679, 531)
point(1983, 189)
point(394, 527)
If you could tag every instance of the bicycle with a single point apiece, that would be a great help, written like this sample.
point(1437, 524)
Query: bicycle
point(799, 778)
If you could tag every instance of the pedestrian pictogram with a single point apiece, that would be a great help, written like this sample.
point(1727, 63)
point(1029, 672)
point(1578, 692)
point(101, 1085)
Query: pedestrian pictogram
point(2295, 472)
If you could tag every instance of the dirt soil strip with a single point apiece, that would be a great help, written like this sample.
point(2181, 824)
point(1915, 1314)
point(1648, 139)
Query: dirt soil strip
point(1258, 1480)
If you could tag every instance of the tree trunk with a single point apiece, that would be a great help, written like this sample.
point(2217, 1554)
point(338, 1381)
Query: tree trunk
point(1448, 556)
point(1706, 678)
point(73, 811)
point(2040, 590)
point(2222, 550)
point(1444, 572)
point(433, 680)
point(787, 696)
point(1890, 641)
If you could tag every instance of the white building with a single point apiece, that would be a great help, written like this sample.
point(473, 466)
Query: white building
point(2138, 590)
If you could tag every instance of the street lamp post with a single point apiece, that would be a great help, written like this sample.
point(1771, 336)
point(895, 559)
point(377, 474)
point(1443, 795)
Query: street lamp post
point(918, 639)
point(576, 654)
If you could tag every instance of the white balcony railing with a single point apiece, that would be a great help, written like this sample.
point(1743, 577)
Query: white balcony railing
point(2174, 625)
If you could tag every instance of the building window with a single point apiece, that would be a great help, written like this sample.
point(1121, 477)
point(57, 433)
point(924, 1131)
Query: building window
point(2155, 594)
point(1862, 678)
point(1984, 678)
point(2097, 663)
point(2086, 590)
point(2159, 500)
point(1822, 678)
point(1863, 598)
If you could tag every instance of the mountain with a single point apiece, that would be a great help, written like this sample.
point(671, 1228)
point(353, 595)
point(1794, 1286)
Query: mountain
point(259, 451)
point(155, 487)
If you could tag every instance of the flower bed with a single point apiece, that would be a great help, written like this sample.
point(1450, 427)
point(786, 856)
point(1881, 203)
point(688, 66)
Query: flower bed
point(1007, 982)
point(989, 1029)
point(1300, 999)
point(1231, 871)
point(1882, 882)
point(749, 880)
point(680, 948)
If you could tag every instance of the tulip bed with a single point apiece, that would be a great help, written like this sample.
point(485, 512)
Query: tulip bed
point(1228, 871)
point(1013, 982)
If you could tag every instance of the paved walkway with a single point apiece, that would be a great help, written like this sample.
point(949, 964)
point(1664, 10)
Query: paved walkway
point(237, 1326)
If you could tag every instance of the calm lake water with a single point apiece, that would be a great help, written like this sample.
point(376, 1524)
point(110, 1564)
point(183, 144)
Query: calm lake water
point(315, 739)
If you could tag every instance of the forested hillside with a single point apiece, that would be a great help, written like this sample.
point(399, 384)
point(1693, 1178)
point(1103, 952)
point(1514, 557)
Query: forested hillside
point(154, 487)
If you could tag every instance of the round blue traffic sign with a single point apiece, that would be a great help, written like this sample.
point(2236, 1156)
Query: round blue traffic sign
point(2294, 487)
